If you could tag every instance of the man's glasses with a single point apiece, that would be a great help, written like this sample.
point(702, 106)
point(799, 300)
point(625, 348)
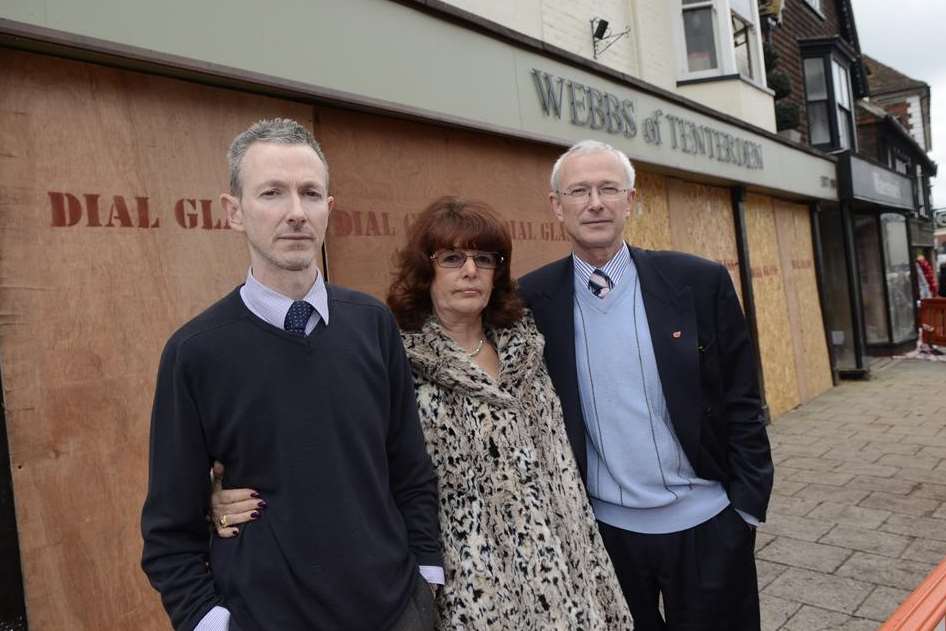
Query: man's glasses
point(581, 193)
point(457, 258)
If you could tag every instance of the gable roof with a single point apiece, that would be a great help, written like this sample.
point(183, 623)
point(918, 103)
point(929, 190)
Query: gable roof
point(883, 79)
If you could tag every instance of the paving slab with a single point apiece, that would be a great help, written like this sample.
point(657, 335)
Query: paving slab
point(809, 618)
point(880, 570)
point(805, 554)
point(792, 505)
point(833, 478)
point(849, 515)
point(787, 487)
point(925, 527)
point(918, 506)
point(830, 493)
point(775, 611)
point(882, 602)
point(928, 489)
point(922, 475)
point(802, 528)
point(866, 540)
point(768, 571)
point(915, 461)
point(827, 591)
point(925, 550)
point(887, 485)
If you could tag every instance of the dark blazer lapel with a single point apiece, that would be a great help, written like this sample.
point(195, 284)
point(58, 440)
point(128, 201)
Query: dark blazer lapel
point(554, 313)
point(671, 317)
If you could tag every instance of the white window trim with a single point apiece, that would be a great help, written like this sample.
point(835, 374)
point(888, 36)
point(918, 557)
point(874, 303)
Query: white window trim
point(723, 34)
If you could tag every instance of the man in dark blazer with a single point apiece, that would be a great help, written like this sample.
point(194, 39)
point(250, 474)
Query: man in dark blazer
point(650, 355)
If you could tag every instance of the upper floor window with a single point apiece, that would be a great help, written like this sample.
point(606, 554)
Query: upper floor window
point(828, 98)
point(814, 4)
point(699, 28)
point(721, 38)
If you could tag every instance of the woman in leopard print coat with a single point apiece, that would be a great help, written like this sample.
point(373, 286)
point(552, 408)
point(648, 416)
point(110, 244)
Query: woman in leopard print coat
point(521, 547)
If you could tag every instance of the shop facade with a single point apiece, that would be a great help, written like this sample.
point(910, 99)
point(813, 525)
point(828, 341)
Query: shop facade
point(114, 123)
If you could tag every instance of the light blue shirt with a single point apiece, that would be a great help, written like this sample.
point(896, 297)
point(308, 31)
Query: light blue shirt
point(271, 306)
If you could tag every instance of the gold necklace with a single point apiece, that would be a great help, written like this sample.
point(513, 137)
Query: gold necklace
point(479, 347)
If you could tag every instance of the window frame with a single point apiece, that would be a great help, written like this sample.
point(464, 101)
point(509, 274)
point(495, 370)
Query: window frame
point(722, 14)
point(829, 53)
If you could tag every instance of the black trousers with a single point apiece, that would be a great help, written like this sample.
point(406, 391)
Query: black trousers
point(419, 613)
point(705, 575)
point(417, 616)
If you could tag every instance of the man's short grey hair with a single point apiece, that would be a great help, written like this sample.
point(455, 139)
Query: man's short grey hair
point(280, 131)
point(586, 147)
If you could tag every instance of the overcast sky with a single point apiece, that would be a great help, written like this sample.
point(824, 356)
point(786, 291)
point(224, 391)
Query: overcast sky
point(910, 36)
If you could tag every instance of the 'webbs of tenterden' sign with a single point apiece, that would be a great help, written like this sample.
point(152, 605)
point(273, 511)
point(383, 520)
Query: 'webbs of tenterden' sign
point(599, 110)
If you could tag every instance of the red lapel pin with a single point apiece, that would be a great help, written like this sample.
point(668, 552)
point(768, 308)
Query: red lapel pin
point(677, 334)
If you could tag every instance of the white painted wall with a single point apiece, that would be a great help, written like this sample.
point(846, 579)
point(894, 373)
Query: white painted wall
point(567, 25)
point(737, 98)
point(915, 113)
point(650, 52)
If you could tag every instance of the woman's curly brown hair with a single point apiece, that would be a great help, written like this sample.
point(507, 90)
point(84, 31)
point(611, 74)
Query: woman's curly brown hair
point(451, 222)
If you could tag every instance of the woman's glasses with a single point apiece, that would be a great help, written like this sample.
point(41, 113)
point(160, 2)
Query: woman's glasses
point(457, 258)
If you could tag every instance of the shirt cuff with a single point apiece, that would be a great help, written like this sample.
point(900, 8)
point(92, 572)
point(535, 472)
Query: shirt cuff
point(217, 619)
point(749, 519)
point(433, 574)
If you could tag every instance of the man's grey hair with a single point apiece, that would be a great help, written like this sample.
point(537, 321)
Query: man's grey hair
point(586, 147)
point(280, 131)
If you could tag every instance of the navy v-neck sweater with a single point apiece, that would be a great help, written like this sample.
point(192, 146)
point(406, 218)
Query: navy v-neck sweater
point(325, 427)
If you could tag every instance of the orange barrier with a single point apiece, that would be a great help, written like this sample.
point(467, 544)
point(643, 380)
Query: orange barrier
point(933, 320)
point(925, 608)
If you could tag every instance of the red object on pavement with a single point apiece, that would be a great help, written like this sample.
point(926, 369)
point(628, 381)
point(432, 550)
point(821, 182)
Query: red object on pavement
point(933, 321)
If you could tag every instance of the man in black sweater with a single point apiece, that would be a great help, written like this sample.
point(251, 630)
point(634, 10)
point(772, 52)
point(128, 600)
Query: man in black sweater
point(304, 391)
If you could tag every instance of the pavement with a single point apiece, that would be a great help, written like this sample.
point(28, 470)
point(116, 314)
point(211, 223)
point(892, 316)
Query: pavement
point(858, 515)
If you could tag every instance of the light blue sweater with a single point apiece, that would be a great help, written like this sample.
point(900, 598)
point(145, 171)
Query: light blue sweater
point(639, 478)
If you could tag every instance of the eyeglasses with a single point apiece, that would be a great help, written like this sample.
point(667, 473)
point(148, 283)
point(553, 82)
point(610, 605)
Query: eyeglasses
point(581, 193)
point(457, 258)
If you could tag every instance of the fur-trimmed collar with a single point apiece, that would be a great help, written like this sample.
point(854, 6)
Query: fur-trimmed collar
point(435, 357)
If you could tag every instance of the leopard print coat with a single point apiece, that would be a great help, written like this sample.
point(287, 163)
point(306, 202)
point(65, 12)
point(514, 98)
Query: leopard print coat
point(521, 547)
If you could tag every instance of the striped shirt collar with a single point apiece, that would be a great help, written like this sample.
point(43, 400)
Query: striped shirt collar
point(272, 306)
point(615, 268)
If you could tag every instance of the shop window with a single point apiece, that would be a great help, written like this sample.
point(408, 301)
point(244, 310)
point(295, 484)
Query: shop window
point(829, 103)
point(720, 39)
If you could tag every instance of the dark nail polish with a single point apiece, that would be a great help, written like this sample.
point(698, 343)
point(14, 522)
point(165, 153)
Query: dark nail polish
point(254, 515)
point(262, 504)
point(236, 533)
point(254, 494)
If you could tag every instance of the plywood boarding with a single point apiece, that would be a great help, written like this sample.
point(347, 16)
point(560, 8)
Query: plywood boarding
point(649, 224)
point(87, 301)
point(701, 223)
point(793, 223)
point(772, 309)
point(385, 171)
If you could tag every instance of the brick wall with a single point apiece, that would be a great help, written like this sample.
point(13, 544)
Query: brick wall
point(799, 21)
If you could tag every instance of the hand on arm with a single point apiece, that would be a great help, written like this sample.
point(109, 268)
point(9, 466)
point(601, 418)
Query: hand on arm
point(231, 507)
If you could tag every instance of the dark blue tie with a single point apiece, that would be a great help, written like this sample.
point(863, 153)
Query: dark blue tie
point(298, 316)
point(600, 283)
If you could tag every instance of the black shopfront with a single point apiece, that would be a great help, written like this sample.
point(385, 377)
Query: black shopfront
point(866, 267)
